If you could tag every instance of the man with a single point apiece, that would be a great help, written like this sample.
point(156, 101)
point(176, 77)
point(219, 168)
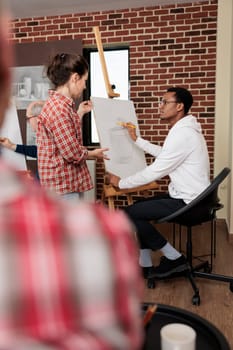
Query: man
point(33, 110)
point(184, 158)
point(68, 273)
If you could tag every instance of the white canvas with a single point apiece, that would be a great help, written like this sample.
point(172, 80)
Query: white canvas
point(125, 157)
point(11, 130)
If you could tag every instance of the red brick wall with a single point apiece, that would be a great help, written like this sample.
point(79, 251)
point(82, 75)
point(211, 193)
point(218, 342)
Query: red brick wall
point(169, 45)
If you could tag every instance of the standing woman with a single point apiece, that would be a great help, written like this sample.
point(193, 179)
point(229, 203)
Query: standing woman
point(61, 155)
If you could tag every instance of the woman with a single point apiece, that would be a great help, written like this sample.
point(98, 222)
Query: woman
point(61, 154)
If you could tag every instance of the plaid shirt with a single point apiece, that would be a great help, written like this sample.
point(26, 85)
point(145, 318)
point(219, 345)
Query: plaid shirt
point(69, 277)
point(61, 154)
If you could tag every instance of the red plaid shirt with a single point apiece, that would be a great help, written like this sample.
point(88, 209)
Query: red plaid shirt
point(69, 277)
point(61, 154)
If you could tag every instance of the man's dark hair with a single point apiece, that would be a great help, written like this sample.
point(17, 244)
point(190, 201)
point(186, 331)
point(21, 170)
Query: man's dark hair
point(184, 96)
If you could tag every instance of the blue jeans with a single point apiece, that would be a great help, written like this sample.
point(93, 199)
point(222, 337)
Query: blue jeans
point(142, 212)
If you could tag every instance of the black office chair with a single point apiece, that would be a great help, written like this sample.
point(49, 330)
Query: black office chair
point(202, 209)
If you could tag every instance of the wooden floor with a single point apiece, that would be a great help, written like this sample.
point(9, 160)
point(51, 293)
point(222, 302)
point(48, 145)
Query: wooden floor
point(216, 298)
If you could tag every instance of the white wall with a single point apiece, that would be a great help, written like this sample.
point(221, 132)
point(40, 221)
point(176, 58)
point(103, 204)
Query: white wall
point(11, 130)
point(224, 106)
point(90, 196)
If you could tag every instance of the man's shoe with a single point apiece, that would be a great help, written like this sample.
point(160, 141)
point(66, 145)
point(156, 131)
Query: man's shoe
point(146, 271)
point(169, 267)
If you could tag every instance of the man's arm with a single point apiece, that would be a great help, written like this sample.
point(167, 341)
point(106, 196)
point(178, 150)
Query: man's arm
point(27, 150)
point(7, 143)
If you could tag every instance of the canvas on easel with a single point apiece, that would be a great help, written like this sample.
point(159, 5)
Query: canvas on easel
point(11, 130)
point(125, 157)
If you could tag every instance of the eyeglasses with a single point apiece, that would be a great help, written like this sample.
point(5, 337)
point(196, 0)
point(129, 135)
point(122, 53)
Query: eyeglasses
point(165, 102)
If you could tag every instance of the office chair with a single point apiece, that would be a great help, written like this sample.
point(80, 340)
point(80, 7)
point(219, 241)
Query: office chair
point(202, 209)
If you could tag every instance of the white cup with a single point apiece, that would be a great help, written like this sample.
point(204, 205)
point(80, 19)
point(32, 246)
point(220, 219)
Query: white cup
point(178, 336)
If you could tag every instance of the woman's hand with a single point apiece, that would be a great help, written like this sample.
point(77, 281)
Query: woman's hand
point(84, 107)
point(98, 153)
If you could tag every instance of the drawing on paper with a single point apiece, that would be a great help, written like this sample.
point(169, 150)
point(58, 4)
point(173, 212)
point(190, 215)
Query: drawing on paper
point(125, 157)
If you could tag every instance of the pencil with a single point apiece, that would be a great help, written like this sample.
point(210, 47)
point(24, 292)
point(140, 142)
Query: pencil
point(126, 125)
point(149, 314)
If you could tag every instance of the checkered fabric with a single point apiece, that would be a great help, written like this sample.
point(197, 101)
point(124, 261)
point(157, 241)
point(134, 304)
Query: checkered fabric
point(61, 154)
point(69, 276)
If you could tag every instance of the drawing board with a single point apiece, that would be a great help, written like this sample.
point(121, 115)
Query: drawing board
point(125, 157)
point(11, 130)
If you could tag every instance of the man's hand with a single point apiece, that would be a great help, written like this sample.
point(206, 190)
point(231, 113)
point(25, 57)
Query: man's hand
point(131, 128)
point(5, 142)
point(113, 180)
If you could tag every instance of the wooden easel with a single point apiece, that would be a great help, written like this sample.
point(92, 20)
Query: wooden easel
point(108, 86)
point(109, 192)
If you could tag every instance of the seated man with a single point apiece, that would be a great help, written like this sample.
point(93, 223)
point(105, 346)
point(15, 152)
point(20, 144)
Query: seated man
point(184, 158)
point(68, 273)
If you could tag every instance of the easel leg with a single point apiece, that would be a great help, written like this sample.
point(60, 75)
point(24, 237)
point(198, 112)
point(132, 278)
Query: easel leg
point(111, 203)
point(129, 199)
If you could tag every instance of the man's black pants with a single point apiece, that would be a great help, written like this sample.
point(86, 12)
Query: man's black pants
point(144, 211)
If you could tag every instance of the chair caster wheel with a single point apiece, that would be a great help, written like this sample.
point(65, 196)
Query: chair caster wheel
point(151, 283)
point(196, 300)
point(231, 287)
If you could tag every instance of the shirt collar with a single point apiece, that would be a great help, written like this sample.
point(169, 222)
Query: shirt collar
point(66, 99)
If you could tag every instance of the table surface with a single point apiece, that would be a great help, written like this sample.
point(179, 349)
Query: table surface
point(208, 336)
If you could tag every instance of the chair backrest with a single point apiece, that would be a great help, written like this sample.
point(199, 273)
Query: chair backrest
point(202, 208)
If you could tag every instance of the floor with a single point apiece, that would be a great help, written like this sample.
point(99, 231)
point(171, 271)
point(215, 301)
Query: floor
point(216, 298)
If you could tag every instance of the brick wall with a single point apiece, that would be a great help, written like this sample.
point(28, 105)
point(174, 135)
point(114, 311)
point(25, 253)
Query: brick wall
point(169, 45)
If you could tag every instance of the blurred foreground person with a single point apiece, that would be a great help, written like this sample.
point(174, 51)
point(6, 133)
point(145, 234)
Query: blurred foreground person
point(68, 273)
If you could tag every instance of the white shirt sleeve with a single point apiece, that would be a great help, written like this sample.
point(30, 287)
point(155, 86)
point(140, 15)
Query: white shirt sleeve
point(148, 147)
point(170, 156)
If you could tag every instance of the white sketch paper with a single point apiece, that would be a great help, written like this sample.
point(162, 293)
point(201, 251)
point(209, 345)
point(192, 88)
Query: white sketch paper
point(11, 130)
point(125, 157)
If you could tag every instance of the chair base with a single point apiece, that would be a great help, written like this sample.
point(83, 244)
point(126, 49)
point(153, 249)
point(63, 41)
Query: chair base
point(211, 254)
point(203, 269)
point(191, 274)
